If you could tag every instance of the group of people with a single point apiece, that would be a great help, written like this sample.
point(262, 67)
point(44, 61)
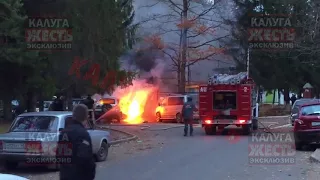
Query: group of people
point(58, 103)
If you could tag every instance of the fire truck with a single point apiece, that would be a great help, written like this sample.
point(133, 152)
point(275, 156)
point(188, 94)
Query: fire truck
point(228, 100)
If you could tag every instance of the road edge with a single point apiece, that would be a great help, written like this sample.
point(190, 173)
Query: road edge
point(315, 156)
point(268, 117)
point(130, 138)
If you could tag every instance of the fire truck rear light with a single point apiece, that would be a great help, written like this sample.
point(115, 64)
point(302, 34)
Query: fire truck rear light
point(242, 121)
point(208, 121)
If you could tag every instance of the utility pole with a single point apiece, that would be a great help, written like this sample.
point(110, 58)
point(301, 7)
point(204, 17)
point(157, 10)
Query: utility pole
point(248, 63)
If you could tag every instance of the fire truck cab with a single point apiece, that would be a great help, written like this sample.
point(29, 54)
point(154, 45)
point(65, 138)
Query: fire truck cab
point(227, 100)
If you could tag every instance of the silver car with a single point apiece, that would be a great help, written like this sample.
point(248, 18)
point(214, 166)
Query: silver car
point(44, 128)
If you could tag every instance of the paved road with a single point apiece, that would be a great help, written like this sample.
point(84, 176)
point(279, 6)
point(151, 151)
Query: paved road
point(168, 155)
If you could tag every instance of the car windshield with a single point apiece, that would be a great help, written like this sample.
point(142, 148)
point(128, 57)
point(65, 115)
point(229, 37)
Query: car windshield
point(34, 124)
point(310, 110)
point(301, 102)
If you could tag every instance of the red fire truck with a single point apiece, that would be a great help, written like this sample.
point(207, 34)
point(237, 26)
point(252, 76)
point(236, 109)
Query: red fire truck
point(228, 100)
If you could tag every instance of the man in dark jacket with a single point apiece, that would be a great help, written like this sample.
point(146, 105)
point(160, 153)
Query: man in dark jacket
point(58, 104)
point(82, 164)
point(89, 102)
point(293, 99)
point(187, 114)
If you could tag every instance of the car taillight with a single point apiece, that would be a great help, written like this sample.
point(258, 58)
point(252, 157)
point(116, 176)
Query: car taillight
point(34, 147)
point(208, 121)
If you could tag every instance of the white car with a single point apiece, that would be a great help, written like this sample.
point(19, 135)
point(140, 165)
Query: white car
point(11, 177)
point(43, 129)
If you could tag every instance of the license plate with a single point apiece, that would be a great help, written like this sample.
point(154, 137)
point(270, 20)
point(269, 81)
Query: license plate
point(315, 123)
point(13, 146)
point(224, 121)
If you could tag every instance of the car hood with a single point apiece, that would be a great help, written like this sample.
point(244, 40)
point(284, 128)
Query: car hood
point(310, 118)
point(29, 136)
point(11, 177)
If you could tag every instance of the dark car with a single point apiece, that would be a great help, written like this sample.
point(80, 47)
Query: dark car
point(307, 125)
point(107, 109)
point(295, 107)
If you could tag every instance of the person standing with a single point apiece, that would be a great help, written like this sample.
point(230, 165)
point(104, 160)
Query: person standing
point(58, 104)
point(293, 99)
point(52, 104)
point(89, 102)
point(82, 165)
point(187, 114)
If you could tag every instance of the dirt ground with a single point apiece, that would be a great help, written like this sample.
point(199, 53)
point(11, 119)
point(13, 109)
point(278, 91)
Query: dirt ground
point(273, 110)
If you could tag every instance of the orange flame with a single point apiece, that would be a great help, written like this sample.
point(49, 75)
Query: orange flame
point(133, 104)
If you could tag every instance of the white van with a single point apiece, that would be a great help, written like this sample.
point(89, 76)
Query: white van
point(170, 108)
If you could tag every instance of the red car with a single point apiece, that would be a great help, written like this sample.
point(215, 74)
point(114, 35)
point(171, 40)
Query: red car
point(307, 126)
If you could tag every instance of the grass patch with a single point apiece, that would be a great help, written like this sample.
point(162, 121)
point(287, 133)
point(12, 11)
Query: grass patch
point(4, 127)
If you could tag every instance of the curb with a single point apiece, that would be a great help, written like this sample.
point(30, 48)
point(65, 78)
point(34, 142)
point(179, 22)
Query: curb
point(161, 129)
point(282, 126)
point(315, 156)
point(269, 117)
point(131, 138)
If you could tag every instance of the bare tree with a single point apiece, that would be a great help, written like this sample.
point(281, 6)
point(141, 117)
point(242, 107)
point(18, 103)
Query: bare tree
point(197, 28)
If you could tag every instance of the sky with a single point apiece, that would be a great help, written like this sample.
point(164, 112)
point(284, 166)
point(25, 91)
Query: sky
point(146, 9)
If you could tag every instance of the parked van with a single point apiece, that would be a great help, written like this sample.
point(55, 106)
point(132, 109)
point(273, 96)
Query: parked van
point(170, 108)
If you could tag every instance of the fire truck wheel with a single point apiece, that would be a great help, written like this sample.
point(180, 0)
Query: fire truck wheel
point(158, 117)
point(247, 129)
point(210, 130)
point(178, 118)
point(255, 124)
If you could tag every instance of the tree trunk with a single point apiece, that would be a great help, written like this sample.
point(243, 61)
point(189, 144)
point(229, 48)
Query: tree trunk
point(7, 109)
point(274, 97)
point(31, 101)
point(69, 98)
point(184, 48)
point(286, 95)
point(41, 105)
point(300, 93)
point(279, 96)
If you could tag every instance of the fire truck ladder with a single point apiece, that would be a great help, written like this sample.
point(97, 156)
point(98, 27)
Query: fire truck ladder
point(227, 78)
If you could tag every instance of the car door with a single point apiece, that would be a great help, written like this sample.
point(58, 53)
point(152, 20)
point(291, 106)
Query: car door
point(164, 106)
point(90, 130)
point(175, 106)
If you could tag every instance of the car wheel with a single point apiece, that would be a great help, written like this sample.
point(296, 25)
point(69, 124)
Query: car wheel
point(299, 145)
point(255, 125)
point(11, 165)
point(54, 167)
point(210, 130)
point(178, 118)
point(158, 117)
point(102, 154)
